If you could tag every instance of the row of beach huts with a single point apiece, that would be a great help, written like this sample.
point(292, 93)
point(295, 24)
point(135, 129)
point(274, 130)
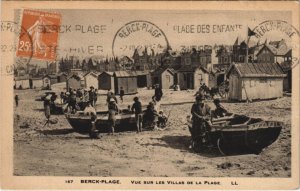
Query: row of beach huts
point(246, 80)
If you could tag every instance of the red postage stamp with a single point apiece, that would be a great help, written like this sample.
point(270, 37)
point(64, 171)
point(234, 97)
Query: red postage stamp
point(41, 37)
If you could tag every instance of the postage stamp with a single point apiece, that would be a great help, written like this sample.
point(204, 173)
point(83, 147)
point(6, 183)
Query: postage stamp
point(42, 29)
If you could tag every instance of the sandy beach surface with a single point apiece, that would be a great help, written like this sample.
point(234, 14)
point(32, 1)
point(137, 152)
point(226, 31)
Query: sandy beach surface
point(56, 150)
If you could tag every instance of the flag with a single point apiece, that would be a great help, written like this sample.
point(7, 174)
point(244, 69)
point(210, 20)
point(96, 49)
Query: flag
point(251, 32)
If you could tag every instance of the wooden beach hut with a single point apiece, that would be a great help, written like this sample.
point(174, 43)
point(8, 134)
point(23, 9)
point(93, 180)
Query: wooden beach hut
point(127, 80)
point(106, 81)
point(91, 79)
point(21, 82)
point(253, 81)
point(191, 77)
point(75, 81)
point(164, 77)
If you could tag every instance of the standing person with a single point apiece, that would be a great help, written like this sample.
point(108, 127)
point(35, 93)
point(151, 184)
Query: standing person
point(72, 102)
point(108, 96)
point(113, 110)
point(122, 93)
point(200, 115)
point(91, 95)
point(62, 97)
point(17, 100)
point(158, 92)
point(137, 109)
point(95, 96)
point(47, 104)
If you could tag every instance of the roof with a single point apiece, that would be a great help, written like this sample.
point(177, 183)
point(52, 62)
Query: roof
point(52, 76)
point(79, 76)
point(62, 73)
point(96, 74)
point(109, 73)
point(191, 69)
point(257, 69)
point(286, 66)
point(159, 71)
point(141, 73)
point(120, 74)
point(281, 51)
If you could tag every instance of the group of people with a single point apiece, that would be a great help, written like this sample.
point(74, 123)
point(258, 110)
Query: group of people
point(79, 99)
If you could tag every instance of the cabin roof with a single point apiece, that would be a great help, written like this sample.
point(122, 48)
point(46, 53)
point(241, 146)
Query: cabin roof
point(159, 71)
point(257, 69)
point(120, 74)
point(25, 77)
point(192, 69)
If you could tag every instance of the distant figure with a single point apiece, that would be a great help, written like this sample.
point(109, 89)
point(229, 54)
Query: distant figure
point(108, 95)
point(17, 100)
point(62, 97)
point(137, 109)
point(220, 111)
point(92, 95)
point(113, 110)
point(158, 92)
point(156, 104)
point(72, 102)
point(122, 93)
point(47, 105)
point(95, 96)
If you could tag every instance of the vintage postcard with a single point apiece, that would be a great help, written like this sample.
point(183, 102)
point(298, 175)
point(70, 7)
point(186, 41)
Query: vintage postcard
point(149, 95)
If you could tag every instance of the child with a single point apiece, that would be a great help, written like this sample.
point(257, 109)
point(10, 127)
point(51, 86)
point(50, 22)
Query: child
point(162, 120)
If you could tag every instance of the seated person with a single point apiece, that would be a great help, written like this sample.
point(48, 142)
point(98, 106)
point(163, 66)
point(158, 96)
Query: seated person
point(89, 110)
point(220, 111)
point(162, 119)
point(150, 116)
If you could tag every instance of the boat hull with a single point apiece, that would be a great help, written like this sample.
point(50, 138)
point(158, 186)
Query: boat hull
point(251, 136)
point(82, 124)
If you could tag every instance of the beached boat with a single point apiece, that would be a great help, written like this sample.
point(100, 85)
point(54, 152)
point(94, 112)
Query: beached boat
point(125, 121)
point(236, 134)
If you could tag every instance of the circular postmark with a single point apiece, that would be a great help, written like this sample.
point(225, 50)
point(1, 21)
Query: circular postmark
point(279, 29)
point(138, 35)
point(12, 44)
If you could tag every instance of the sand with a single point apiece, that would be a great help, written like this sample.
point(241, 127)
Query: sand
point(59, 151)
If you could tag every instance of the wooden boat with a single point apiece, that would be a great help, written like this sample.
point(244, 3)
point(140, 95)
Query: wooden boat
point(237, 134)
point(125, 121)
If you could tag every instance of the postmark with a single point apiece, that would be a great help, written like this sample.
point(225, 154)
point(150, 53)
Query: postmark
point(42, 29)
point(139, 34)
point(285, 30)
point(8, 28)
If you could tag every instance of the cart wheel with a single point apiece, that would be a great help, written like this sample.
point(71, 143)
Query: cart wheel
point(219, 146)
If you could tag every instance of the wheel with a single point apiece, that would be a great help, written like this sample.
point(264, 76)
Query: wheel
point(219, 143)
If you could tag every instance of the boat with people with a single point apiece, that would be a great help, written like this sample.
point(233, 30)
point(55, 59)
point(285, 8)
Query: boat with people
point(233, 134)
point(81, 122)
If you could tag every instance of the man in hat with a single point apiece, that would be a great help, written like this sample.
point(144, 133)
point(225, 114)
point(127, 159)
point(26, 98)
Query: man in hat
point(200, 115)
point(220, 111)
point(137, 109)
point(113, 110)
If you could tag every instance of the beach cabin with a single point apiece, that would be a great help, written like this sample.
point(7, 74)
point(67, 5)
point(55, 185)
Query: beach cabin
point(127, 80)
point(191, 77)
point(75, 81)
point(106, 81)
point(143, 79)
point(164, 77)
point(49, 80)
point(91, 79)
point(21, 82)
point(35, 82)
point(253, 81)
point(62, 77)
